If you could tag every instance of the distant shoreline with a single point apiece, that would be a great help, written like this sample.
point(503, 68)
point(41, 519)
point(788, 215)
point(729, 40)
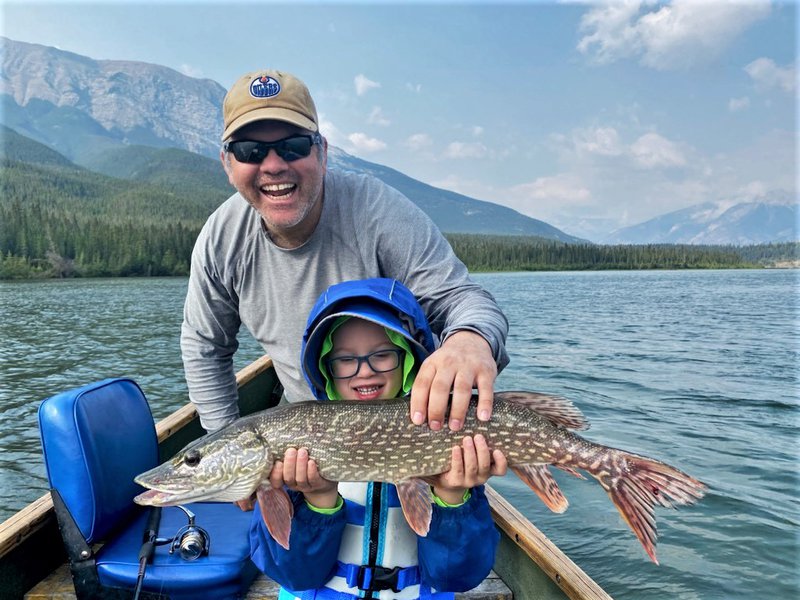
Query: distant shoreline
point(102, 254)
point(784, 266)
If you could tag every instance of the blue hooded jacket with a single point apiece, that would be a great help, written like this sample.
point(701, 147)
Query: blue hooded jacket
point(458, 551)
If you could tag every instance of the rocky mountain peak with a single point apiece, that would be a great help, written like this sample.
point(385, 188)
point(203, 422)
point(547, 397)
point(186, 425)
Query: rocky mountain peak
point(135, 102)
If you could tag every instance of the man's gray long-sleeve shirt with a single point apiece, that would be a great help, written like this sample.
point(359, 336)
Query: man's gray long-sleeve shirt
point(367, 229)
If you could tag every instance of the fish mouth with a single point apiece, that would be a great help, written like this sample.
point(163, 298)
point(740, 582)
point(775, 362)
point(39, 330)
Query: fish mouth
point(157, 495)
point(170, 497)
point(169, 493)
point(155, 498)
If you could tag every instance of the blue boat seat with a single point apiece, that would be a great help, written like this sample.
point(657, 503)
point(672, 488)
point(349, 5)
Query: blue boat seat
point(95, 440)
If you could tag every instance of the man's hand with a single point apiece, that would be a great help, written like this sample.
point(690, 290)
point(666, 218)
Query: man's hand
point(300, 473)
point(463, 362)
point(471, 464)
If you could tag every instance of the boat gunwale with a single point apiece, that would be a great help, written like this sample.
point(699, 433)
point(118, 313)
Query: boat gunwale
point(560, 568)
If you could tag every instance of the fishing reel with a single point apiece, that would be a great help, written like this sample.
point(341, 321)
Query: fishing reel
point(191, 541)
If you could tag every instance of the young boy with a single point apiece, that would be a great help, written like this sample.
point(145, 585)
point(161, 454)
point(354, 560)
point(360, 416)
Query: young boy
point(365, 340)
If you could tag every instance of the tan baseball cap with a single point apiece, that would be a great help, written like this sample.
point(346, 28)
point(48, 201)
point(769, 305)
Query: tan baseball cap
point(268, 94)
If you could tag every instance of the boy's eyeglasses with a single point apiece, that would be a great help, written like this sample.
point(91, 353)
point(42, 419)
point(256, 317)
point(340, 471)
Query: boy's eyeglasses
point(344, 367)
point(289, 148)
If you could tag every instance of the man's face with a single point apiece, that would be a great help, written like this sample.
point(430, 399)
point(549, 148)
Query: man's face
point(287, 195)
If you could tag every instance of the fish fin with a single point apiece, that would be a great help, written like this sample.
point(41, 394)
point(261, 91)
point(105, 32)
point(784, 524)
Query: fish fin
point(553, 408)
point(639, 484)
point(415, 498)
point(277, 511)
point(571, 471)
point(539, 479)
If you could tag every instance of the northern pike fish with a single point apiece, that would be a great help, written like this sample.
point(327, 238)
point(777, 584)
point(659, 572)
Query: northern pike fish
point(376, 441)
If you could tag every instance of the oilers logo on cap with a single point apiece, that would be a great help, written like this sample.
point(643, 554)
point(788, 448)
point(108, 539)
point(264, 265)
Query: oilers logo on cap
point(264, 87)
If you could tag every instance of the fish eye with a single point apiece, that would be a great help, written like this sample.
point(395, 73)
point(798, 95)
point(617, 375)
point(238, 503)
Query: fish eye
point(191, 458)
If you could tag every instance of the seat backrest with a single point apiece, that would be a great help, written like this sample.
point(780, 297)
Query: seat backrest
point(96, 439)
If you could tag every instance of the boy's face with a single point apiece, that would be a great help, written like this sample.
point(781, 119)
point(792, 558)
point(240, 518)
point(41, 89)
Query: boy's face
point(357, 337)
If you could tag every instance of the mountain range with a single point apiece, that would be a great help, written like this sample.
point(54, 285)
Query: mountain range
point(770, 218)
point(125, 118)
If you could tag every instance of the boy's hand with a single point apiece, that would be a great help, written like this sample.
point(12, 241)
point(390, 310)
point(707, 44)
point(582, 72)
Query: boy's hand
point(471, 464)
point(463, 362)
point(298, 472)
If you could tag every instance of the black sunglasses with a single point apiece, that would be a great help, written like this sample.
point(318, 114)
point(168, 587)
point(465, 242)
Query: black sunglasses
point(289, 148)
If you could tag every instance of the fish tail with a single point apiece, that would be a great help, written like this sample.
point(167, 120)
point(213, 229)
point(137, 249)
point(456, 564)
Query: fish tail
point(636, 484)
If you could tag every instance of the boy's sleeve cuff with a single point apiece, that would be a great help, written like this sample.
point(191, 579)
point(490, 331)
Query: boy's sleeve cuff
point(439, 502)
point(327, 511)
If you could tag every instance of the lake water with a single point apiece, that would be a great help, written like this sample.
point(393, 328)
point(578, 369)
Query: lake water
point(696, 368)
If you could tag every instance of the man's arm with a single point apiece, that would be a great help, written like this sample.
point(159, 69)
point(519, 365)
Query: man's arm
point(208, 343)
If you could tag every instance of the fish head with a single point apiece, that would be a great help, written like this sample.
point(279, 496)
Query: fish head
point(224, 466)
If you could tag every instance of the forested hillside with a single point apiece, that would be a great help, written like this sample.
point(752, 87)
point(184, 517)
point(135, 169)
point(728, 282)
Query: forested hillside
point(61, 220)
point(518, 253)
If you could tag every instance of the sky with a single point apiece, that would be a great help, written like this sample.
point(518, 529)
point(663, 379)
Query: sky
point(590, 116)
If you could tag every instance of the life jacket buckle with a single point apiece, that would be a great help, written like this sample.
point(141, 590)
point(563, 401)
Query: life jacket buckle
point(375, 579)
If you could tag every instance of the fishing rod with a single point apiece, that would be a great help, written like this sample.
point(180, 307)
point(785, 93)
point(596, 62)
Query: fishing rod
point(149, 541)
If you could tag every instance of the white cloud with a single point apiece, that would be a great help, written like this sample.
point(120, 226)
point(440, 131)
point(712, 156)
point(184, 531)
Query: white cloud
point(754, 189)
point(616, 195)
point(767, 75)
point(191, 71)
point(477, 130)
point(603, 147)
point(601, 140)
point(612, 36)
point(331, 132)
point(474, 188)
point(363, 85)
point(361, 142)
point(560, 189)
point(671, 36)
point(376, 117)
point(653, 151)
point(414, 87)
point(466, 150)
point(737, 104)
point(418, 141)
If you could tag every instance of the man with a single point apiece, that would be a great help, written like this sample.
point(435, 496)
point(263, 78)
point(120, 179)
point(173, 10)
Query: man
point(292, 229)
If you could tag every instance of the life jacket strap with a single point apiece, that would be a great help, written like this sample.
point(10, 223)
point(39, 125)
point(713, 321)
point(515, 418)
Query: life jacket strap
point(378, 578)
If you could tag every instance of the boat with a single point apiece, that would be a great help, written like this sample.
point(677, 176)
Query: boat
point(527, 566)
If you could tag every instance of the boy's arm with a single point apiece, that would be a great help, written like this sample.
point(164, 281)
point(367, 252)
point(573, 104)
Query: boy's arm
point(314, 541)
point(458, 552)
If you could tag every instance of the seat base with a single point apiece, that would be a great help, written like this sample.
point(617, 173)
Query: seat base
point(220, 574)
